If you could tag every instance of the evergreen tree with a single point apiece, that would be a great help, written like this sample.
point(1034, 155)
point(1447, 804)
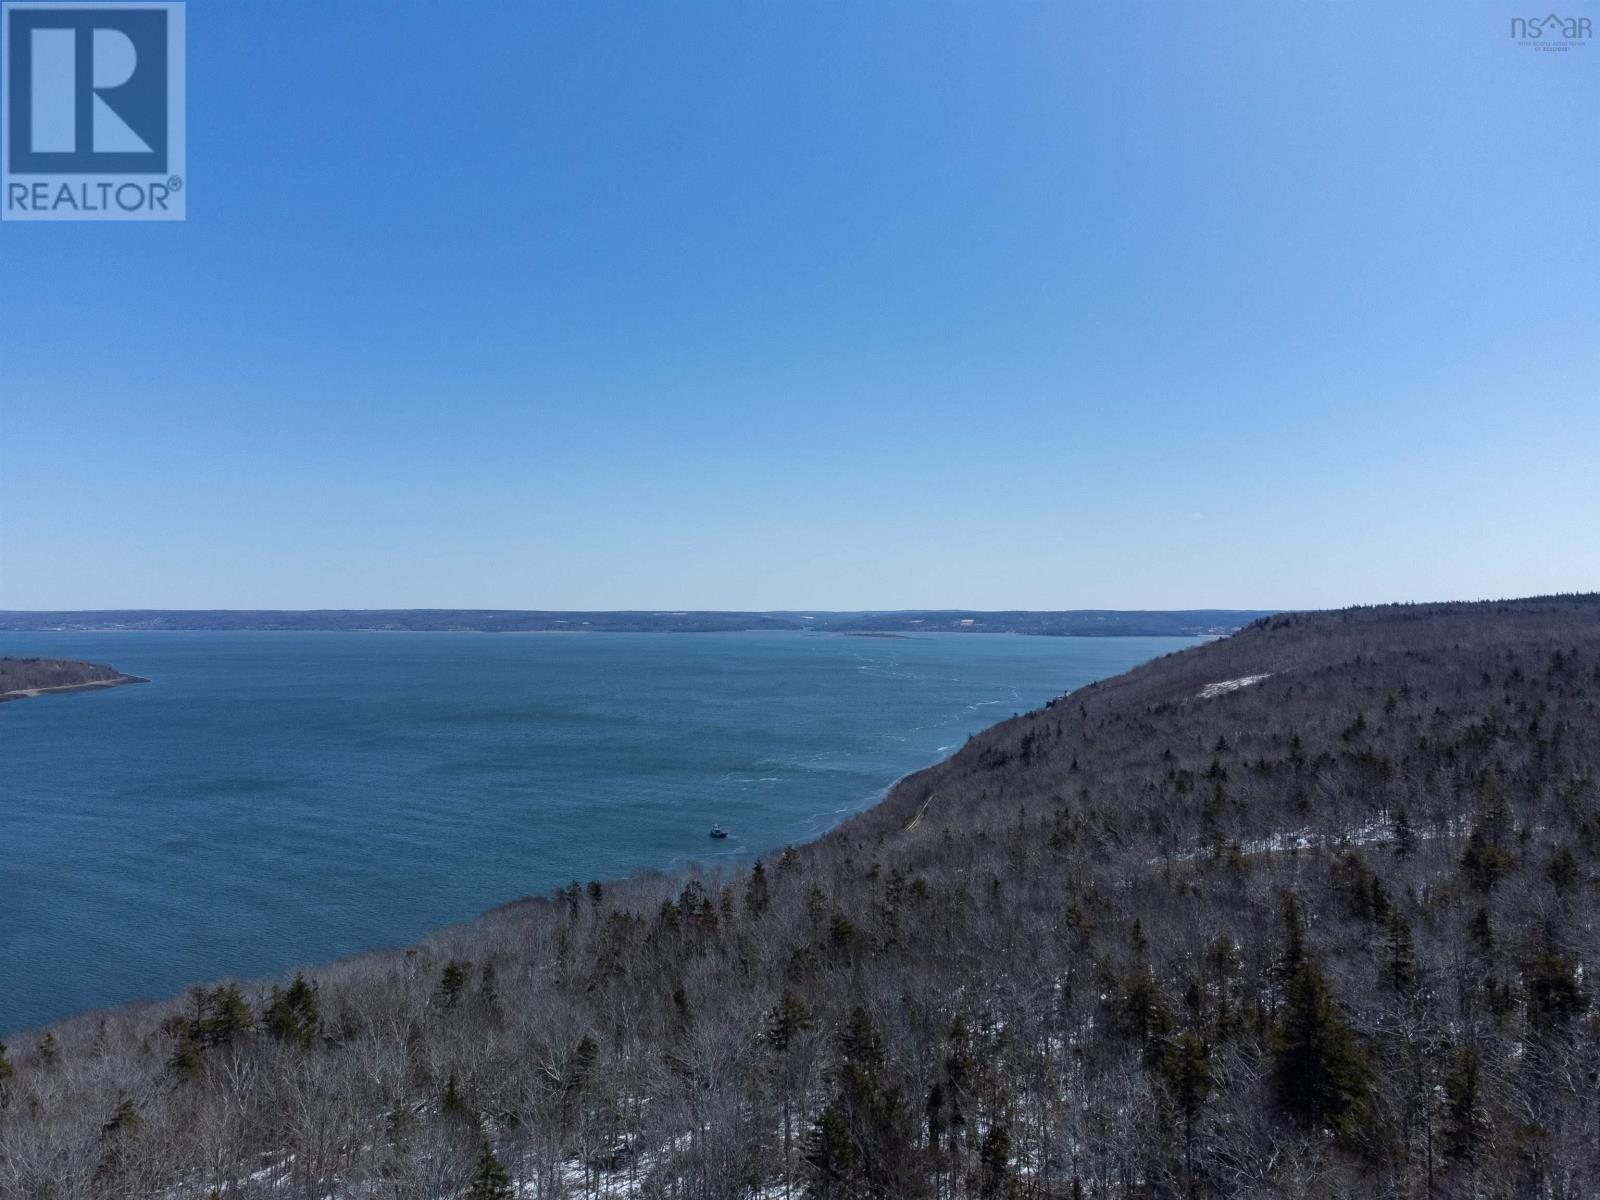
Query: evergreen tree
point(1480, 931)
point(1294, 953)
point(1186, 1071)
point(115, 1135)
point(492, 1181)
point(488, 987)
point(787, 1021)
point(832, 1158)
point(1554, 994)
point(861, 1043)
point(959, 1074)
point(292, 1015)
point(1483, 863)
point(186, 1061)
point(124, 1120)
point(936, 1110)
point(453, 1104)
point(1399, 954)
point(1319, 1072)
point(1486, 860)
point(49, 1052)
point(757, 895)
point(221, 1015)
point(1144, 1014)
point(995, 1177)
point(579, 1072)
point(6, 1069)
point(869, 1113)
point(1465, 1123)
point(1562, 871)
point(1405, 837)
point(452, 982)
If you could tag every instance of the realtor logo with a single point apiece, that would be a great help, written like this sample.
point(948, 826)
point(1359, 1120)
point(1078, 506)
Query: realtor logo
point(91, 112)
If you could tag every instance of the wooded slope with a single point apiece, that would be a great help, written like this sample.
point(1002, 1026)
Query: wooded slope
point(1306, 912)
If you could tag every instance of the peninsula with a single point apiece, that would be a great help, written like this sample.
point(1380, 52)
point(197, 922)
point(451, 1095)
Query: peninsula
point(21, 678)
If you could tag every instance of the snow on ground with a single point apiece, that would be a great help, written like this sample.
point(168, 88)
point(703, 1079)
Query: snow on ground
point(1223, 687)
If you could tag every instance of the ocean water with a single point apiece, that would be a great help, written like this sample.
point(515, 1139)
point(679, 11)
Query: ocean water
point(274, 799)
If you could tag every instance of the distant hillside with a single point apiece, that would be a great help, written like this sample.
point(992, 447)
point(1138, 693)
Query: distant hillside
point(20, 677)
point(1077, 623)
point(1307, 912)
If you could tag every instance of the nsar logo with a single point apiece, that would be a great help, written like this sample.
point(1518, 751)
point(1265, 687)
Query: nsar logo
point(1551, 32)
point(92, 112)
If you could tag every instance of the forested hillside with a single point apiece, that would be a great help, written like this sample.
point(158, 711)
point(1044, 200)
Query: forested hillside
point(1307, 912)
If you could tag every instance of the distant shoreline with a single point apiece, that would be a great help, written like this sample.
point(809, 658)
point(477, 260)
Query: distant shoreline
point(1210, 622)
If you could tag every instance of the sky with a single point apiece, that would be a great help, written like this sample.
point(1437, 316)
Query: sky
point(826, 305)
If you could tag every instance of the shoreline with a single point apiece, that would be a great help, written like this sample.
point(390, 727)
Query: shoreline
point(92, 685)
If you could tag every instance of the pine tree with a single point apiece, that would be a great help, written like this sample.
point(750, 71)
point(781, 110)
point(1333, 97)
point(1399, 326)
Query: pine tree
point(49, 1052)
point(186, 1061)
point(489, 987)
point(1562, 871)
point(936, 1110)
point(1483, 863)
point(831, 1157)
point(995, 1177)
point(757, 895)
point(492, 1181)
point(221, 1015)
point(116, 1134)
point(959, 1073)
point(1186, 1071)
point(1144, 1014)
point(861, 1043)
point(1399, 954)
point(1465, 1123)
point(124, 1120)
point(1294, 953)
point(293, 1014)
point(1405, 838)
point(1319, 1072)
point(787, 1021)
point(454, 1105)
point(452, 981)
point(1554, 994)
point(580, 1069)
point(868, 1113)
point(1481, 931)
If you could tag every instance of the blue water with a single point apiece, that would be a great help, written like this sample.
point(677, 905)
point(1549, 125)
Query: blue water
point(273, 799)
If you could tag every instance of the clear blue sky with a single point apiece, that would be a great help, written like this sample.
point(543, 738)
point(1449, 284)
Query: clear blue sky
point(826, 305)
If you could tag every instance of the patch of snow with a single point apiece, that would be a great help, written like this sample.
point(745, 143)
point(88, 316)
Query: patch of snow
point(1223, 687)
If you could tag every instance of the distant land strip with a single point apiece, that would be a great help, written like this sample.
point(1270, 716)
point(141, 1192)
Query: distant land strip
point(21, 678)
point(1088, 622)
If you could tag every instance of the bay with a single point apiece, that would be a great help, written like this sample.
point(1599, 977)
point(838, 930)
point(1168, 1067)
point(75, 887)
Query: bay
point(274, 799)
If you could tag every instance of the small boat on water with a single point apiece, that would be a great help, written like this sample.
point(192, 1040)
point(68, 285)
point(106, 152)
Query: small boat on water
point(717, 831)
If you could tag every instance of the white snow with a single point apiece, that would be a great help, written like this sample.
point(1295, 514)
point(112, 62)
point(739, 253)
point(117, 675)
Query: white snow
point(1223, 687)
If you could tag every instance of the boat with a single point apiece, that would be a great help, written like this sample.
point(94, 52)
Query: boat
point(717, 831)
